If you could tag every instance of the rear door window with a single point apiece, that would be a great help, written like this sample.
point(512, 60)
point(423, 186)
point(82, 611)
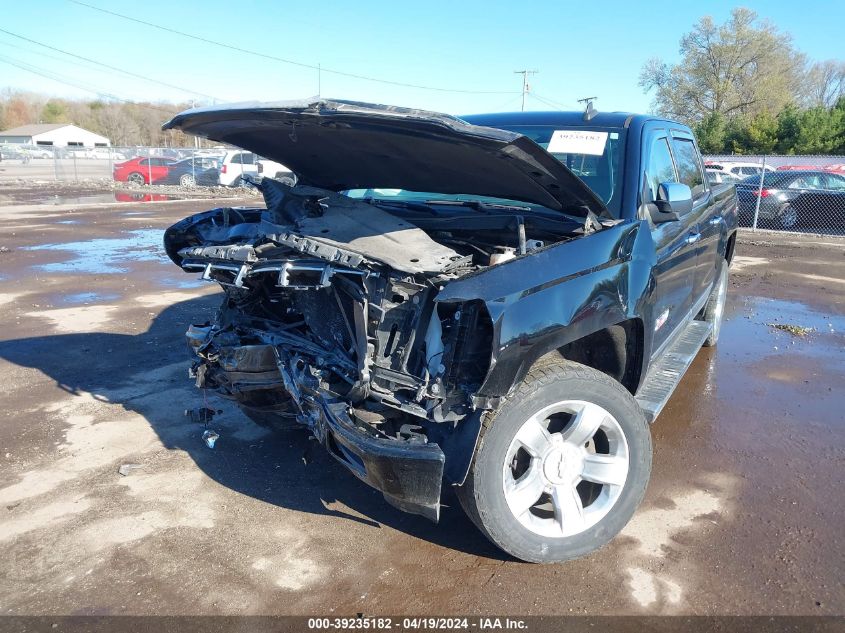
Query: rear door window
point(244, 159)
point(806, 182)
point(835, 182)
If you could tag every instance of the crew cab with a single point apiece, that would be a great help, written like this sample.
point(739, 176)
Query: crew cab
point(501, 303)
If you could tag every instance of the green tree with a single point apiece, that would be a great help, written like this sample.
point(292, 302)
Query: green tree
point(819, 131)
point(710, 133)
point(789, 127)
point(740, 68)
point(54, 111)
point(761, 133)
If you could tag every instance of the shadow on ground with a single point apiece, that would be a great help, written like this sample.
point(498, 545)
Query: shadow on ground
point(283, 468)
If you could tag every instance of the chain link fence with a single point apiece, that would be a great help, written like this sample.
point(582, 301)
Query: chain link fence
point(790, 193)
point(186, 167)
point(786, 193)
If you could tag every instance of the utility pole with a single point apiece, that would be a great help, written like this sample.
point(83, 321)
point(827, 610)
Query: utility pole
point(525, 86)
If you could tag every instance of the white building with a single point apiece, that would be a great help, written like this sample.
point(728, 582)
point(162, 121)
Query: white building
point(53, 134)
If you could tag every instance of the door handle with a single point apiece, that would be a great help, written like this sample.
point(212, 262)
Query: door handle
point(692, 238)
point(715, 220)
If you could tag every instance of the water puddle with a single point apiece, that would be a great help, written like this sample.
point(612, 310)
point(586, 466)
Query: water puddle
point(112, 196)
point(757, 325)
point(187, 282)
point(106, 255)
point(84, 298)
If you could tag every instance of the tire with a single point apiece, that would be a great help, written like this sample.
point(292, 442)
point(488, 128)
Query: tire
point(788, 217)
point(714, 309)
point(187, 180)
point(542, 534)
point(136, 178)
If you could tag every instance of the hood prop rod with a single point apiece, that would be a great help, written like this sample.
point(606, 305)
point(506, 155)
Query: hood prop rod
point(520, 222)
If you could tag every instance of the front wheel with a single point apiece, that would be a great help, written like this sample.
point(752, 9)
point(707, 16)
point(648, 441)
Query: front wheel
point(561, 466)
point(187, 180)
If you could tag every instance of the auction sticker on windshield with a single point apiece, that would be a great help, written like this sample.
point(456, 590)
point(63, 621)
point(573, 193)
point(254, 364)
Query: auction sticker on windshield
point(577, 142)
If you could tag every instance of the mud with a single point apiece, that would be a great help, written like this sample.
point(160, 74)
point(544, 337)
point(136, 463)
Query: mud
point(743, 515)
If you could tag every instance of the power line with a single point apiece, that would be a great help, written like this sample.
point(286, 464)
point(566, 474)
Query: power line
point(548, 102)
point(36, 70)
point(113, 68)
point(283, 60)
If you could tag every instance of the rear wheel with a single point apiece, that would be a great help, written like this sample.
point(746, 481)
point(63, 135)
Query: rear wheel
point(561, 466)
point(136, 178)
point(187, 180)
point(788, 217)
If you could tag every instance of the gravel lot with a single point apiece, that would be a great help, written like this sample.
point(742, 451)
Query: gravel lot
point(743, 515)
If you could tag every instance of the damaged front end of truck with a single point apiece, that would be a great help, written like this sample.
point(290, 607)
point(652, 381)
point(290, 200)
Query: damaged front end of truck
point(333, 317)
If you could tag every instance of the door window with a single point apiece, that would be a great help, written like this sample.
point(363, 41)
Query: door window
point(689, 168)
point(660, 167)
point(244, 159)
point(835, 182)
point(806, 182)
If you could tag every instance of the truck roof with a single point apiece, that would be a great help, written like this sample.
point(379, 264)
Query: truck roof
point(568, 119)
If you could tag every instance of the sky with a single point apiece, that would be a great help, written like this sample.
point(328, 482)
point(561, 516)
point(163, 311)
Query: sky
point(467, 50)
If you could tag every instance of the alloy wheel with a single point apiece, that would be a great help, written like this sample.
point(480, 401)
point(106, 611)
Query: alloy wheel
point(565, 468)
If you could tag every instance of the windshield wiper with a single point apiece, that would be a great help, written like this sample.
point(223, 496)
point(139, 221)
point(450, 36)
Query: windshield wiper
point(480, 205)
point(405, 204)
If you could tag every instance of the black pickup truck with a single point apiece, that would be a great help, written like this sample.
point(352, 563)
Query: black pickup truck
point(501, 303)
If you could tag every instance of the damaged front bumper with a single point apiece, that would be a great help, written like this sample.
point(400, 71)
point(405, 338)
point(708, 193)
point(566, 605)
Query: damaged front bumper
point(408, 472)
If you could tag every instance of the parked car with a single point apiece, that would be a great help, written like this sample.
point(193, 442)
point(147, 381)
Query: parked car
point(190, 172)
point(838, 167)
point(789, 199)
point(39, 151)
point(271, 169)
point(446, 302)
point(236, 164)
point(738, 169)
point(718, 177)
point(14, 152)
point(105, 153)
point(142, 171)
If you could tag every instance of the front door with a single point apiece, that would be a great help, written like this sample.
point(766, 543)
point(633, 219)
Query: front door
point(676, 245)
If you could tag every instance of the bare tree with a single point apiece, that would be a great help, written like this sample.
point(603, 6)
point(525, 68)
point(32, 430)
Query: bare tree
point(824, 84)
point(742, 67)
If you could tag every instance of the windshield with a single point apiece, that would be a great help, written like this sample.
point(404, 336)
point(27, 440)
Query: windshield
point(594, 154)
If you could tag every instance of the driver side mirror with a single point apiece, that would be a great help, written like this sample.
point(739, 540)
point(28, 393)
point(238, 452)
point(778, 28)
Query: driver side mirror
point(674, 199)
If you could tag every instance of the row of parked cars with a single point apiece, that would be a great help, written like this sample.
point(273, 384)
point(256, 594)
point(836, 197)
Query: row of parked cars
point(790, 196)
point(229, 169)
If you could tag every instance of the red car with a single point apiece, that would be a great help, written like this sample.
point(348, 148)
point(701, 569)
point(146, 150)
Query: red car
point(142, 171)
point(838, 167)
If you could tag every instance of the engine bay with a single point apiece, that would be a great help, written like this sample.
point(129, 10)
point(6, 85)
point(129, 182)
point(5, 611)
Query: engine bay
point(334, 299)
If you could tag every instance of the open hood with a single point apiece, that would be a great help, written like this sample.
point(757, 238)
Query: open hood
point(340, 145)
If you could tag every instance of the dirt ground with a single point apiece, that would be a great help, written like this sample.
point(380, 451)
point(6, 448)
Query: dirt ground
point(744, 513)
